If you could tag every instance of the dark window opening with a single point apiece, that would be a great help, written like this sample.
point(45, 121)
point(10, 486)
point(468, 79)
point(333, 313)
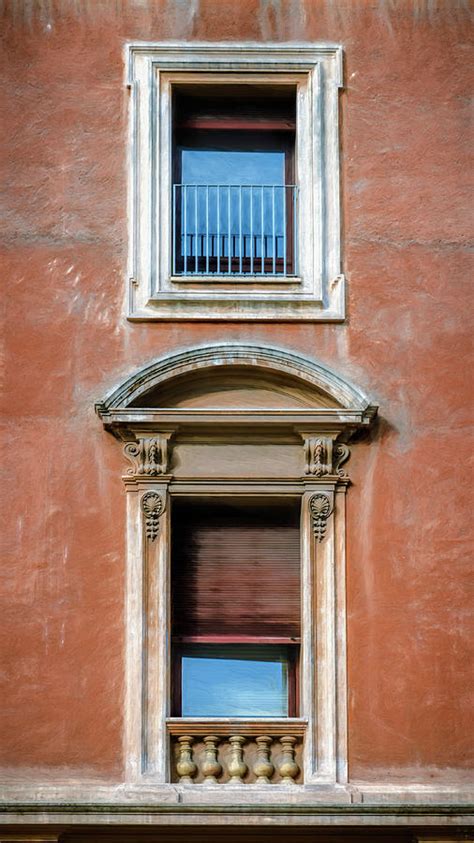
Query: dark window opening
point(235, 608)
point(234, 193)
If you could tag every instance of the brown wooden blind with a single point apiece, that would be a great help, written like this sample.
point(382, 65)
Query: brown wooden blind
point(235, 106)
point(235, 570)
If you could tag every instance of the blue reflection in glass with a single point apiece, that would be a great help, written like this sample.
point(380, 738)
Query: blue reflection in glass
point(232, 205)
point(234, 686)
point(203, 166)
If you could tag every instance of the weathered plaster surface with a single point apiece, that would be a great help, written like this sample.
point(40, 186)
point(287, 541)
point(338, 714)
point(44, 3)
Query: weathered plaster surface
point(67, 343)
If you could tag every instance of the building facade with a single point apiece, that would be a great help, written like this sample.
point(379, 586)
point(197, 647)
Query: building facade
point(236, 326)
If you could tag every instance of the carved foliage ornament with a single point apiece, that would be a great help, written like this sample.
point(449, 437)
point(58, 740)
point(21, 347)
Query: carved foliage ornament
point(317, 456)
point(320, 508)
point(153, 505)
point(148, 456)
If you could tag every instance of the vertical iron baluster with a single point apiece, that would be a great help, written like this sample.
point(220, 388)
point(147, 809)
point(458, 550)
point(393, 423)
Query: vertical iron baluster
point(240, 229)
point(261, 234)
point(196, 265)
point(251, 229)
point(218, 230)
point(213, 241)
point(173, 233)
point(295, 267)
point(229, 235)
point(273, 230)
point(285, 221)
point(185, 200)
point(207, 229)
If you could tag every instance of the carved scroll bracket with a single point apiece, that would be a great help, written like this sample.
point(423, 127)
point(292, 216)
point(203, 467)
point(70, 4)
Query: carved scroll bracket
point(149, 455)
point(340, 455)
point(320, 508)
point(153, 505)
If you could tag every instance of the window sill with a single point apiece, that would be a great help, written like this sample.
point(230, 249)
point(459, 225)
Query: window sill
point(237, 725)
point(232, 280)
point(260, 303)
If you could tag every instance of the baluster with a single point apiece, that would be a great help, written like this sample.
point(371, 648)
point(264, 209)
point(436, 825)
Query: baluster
point(237, 766)
point(273, 231)
point(295, 262)
point(218, 188)
point(185, 195)
point(185, 765)
point(288, 768)
point(229, 230)
point(210, 766)
point(263, 767)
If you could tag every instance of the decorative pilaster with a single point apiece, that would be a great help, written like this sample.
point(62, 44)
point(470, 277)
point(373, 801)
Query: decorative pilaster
point(153, 506)
point(185, 766)
point(210, 767)
point(237, 767)
point(263, 767)
point(320, 508)
point(148, 455)
point(288, 768)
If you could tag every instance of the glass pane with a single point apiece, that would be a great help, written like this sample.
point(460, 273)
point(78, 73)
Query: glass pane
point(235, 681)
point(209, 166)
point(233, 204)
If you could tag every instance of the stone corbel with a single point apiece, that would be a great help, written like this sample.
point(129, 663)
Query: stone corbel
point(149, 455)
point(340, 455)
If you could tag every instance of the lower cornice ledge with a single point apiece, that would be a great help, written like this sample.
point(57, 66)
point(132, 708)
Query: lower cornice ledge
point(246, 814)
point(174, 805)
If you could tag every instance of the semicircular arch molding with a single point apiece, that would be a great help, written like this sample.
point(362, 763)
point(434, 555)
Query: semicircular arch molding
point(229, 367)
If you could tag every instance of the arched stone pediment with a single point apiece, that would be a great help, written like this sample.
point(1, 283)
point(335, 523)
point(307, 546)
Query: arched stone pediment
point(242, 376)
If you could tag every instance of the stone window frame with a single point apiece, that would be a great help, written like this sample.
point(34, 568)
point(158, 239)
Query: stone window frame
point(318, 294)
point(150, 485)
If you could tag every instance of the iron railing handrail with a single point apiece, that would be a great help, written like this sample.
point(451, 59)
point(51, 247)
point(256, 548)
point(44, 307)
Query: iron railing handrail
point(219, 184)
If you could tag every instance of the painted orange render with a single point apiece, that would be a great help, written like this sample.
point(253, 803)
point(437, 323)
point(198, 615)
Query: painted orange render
point(405, 342)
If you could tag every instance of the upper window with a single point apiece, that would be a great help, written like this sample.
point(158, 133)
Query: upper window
point(234, 182)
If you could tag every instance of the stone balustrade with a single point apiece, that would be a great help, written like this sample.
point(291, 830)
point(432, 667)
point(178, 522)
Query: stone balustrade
point(236, 757)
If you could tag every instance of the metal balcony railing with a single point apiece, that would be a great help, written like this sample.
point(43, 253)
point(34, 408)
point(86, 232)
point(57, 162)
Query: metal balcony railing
point(237, 230)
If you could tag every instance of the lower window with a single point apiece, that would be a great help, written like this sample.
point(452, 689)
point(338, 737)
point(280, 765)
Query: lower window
point(235, 608)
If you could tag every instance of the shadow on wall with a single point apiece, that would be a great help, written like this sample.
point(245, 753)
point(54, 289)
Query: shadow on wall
point(230, 834)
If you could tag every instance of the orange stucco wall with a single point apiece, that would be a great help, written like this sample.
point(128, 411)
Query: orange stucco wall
point(405, 342)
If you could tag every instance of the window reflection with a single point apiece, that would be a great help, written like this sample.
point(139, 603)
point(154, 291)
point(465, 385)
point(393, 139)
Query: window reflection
point(233, 200)
point(217, 166)
point(235, 681)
